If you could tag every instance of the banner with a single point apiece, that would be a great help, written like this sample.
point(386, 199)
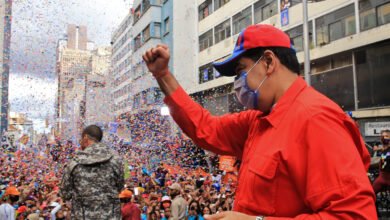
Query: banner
point(24, 139)
point(226, 163)
point(174, 169)
point(228, 176)
point(199, 171)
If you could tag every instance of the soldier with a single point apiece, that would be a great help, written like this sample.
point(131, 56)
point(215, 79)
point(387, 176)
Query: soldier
point(93, 179)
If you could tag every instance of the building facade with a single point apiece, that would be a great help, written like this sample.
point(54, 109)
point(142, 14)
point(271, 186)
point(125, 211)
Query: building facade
point(73, 66)
point(5, 43)
point(349, 51)
point(137, 97)
point(19, 125)
point(98, 90)
point(121, 71)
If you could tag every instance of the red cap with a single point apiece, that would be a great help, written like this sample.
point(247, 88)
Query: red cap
point(254, 36)
point(125, 194)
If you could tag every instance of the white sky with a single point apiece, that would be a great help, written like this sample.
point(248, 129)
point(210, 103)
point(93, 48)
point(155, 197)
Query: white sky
point(36, 27)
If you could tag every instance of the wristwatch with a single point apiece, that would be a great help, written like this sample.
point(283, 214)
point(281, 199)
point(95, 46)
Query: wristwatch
point(260, 218)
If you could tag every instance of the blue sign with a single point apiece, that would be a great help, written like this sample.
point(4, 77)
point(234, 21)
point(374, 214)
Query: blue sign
point(206, 75)
point(284, 17)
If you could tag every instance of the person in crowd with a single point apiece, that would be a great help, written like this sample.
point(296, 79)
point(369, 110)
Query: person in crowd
point(93, 179)
point(165, 202)
point(290, 135)
point(206, 210)
point(194, 211)
point(7, 209)
point(54, 208)
point(383, 180)
point(179, 205)
point(130, 211)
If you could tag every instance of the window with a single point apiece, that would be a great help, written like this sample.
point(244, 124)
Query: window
point(166, 25)
point(336, 84)
point(367, 15)
point(373, 78)
point(265, 9)
point(335, 25)
point(137, 42)
point(373, 13)
point(206, 40)
point(219, 3)
point(146, 5)
point(296, 36)
point(205, 9)
point(205, 73)
point(384, 14)
point(157, 30)
point(222, 31)
point(146, 33)
point(242, 20)
point(137, 14)
point(336, 30)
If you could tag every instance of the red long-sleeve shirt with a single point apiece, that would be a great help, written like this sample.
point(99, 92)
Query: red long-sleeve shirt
point(130, 211)
point(305, 160)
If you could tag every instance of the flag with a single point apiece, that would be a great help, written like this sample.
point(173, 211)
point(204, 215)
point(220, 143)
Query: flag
point(226, 163)
point(24, 139)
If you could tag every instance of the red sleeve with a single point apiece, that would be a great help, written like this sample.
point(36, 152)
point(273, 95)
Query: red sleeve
point(223, 135)
point(330, 171)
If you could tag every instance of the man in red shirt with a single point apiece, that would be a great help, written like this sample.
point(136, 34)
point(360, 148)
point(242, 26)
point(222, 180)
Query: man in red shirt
point(302, 156)
point(130, 211)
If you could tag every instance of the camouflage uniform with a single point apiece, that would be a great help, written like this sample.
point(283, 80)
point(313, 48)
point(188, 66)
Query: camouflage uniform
point(92, 181)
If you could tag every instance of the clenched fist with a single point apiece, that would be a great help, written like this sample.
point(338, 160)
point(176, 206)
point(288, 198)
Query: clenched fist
point(157, 59)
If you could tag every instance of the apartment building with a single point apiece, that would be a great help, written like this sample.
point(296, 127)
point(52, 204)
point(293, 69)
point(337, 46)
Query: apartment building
point(137, 97)
point(349, 51)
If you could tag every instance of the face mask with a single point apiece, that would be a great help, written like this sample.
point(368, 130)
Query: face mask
point(245, 95)
point(386, 141)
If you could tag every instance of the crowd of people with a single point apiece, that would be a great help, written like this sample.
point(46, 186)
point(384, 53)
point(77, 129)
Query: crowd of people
point(30, 180)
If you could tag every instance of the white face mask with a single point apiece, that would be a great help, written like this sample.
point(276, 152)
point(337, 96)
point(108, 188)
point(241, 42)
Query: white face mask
point(245, 95)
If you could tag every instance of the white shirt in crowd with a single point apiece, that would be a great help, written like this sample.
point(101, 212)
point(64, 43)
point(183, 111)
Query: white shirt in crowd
point(7, 212)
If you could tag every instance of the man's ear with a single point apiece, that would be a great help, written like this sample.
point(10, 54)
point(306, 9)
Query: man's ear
point(270, 60)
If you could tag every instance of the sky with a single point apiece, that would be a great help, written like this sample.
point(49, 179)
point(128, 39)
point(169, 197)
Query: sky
point(36, 27)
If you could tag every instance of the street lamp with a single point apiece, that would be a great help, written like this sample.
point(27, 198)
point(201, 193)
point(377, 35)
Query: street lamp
point(306, 63)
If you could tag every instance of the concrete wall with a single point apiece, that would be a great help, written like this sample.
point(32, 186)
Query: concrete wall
point(185, 45)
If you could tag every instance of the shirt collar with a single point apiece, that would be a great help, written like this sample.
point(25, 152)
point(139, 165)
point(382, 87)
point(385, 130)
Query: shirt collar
point(280, 109)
